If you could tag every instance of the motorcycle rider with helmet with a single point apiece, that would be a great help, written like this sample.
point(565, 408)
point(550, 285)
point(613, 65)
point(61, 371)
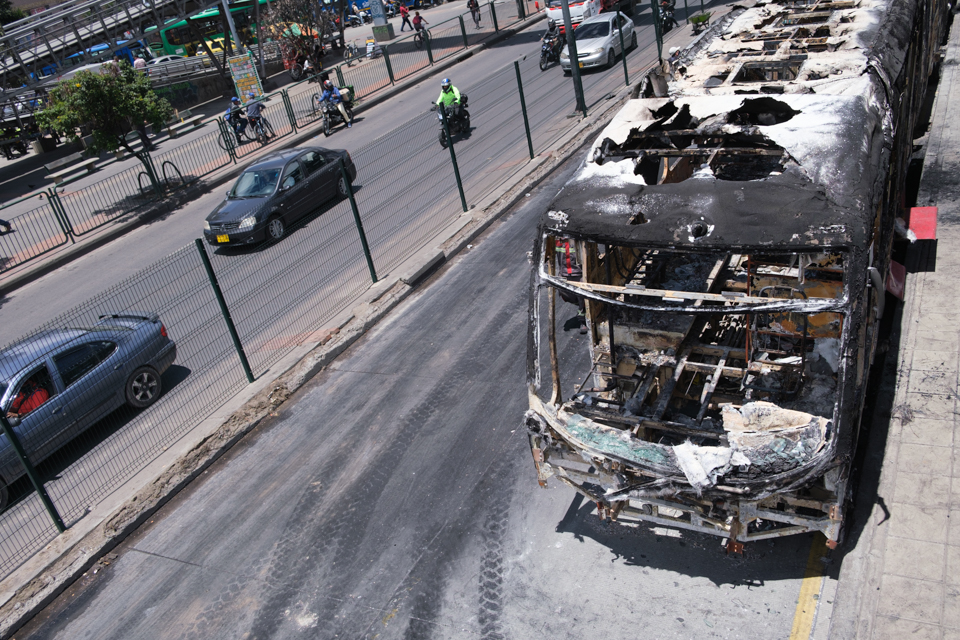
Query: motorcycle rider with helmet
point(332, 95)
point(449, 98)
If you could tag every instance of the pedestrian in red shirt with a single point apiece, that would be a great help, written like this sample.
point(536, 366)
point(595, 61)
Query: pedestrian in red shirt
point(405, 14)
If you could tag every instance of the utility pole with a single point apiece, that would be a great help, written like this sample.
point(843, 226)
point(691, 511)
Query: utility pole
point(233, 28)
point(574, 58)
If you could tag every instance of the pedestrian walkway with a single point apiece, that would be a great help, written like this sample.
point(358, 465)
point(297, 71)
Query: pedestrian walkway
point(903, 579)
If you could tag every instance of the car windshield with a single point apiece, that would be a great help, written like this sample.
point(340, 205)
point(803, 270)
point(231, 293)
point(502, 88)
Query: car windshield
point(556, 4)
point(592, 30)
point(255, 184)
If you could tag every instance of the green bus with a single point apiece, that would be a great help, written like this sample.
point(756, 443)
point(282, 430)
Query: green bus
point(179, 39)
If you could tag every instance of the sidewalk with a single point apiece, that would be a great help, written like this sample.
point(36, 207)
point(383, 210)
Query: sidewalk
point(903, 577)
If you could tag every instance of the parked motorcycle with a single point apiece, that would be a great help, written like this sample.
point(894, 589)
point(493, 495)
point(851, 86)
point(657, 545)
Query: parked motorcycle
point(458, 119)
point(550, 51)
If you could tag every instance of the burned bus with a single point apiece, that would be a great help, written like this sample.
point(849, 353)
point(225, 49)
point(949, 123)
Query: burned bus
point(727, 242)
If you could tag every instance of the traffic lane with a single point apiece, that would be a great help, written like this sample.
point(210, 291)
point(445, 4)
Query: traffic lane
point(108, 265)
point(394, 497)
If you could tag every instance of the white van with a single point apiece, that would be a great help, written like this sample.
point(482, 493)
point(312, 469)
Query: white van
point(578, 11)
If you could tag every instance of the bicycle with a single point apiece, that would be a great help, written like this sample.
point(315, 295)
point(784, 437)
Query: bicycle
point(261, 130)
point(420, 37)
point(351, 53)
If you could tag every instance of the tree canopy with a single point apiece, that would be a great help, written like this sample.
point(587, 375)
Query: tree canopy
point(113, 101)
point(10, 13)
point(296, 22)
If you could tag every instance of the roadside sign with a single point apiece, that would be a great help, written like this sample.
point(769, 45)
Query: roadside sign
point(243, 70)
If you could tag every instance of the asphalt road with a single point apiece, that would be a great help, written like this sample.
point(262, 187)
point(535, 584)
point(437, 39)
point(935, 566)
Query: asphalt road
point(394, 497)
point(406, 193)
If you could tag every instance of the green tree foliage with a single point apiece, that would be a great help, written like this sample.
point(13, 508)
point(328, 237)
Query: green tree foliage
point(113, 101)
point(308, 17)
point(10, 13)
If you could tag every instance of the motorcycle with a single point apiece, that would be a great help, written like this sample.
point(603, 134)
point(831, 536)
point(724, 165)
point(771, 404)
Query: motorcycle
point(458, 119)
point(667, 21)
point(359, 19)
point(550, 51)
point(331, 114)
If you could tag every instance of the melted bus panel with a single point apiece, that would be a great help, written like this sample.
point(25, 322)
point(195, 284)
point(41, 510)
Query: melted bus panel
point(726, 242)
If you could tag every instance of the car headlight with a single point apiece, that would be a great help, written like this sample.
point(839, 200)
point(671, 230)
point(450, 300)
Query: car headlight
point(206, 225)
point(594, 52)
point(564, 56)
point(248, 223)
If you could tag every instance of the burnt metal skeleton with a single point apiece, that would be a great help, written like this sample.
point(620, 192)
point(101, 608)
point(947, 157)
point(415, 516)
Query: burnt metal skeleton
point(731, 233)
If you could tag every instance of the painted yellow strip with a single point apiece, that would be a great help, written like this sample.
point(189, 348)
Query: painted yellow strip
point(809, 590)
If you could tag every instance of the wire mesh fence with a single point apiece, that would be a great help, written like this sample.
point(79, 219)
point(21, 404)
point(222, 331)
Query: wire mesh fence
point(33, 232)
point(279, 294)
point(88, 205)
point(192, 160)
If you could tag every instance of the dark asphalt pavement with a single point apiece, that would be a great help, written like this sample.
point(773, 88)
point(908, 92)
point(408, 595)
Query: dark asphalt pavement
point(394, 497)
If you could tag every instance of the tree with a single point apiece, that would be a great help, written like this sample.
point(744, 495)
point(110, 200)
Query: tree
point(297, 22)
point(10, 13)
point(113, 101)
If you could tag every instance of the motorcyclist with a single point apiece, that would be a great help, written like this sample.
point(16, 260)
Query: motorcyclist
point(235, 119)
point(667, 8)
point(552, 38)
point(332, 95)
point(449, 98)
point(254, 109)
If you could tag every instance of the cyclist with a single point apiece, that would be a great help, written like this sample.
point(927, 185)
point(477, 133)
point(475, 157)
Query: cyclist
point(235, 119)
point(418, 22)
point(332, 95)
point(254, 108)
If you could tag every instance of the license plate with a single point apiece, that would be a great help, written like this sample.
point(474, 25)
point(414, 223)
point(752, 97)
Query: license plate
point(223, 238)
point(581, 64)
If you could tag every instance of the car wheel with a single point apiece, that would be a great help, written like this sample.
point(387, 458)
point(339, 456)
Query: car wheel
point(633, 42)
point(275, 228)
point(611, 59)
point(143, 387)
point(342, 188)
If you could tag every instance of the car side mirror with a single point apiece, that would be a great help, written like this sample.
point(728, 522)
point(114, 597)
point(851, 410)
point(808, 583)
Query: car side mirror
point(13, 421)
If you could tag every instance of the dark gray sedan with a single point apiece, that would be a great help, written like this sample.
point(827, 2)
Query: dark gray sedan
point(276, 191)
point(58, 382)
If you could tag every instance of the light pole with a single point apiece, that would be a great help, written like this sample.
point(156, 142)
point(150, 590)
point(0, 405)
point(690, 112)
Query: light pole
point(574, 58)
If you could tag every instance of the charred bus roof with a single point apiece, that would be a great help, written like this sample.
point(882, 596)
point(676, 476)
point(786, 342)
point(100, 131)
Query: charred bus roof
point(770, 133)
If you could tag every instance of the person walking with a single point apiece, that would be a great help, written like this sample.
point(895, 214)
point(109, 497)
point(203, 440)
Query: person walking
point(474, 7)
point(405, 14)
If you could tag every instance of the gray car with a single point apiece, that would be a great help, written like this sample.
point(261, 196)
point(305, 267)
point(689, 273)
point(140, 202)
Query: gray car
point(598, 41)
point(276, 191)
point(58, 382)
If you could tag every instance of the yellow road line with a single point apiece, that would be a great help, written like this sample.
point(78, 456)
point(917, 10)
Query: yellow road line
point(809, 590)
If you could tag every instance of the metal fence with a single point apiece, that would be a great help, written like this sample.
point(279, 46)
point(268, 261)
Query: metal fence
point(275, 296)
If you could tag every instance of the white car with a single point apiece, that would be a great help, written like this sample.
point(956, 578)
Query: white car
point(579, 11)
point(163, 59)
point(598, 41)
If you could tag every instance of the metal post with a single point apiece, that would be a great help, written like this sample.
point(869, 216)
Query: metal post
point(463, 32)
point(256, 18)
point(426, 40)
point(623, 55)
point(340, 76)
point(356, 218)
point(655, 9)
point(453, 157)
point(686, 12)
point(386, 58)
point(702, 10)
point(228, 136)
point(223, 309)
point(523, 108)
point(233, 28)
point(520, 12)
point(493, 16)
point(574, 58)
point(289, 108)
point(60, 213)
point(32, 474)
